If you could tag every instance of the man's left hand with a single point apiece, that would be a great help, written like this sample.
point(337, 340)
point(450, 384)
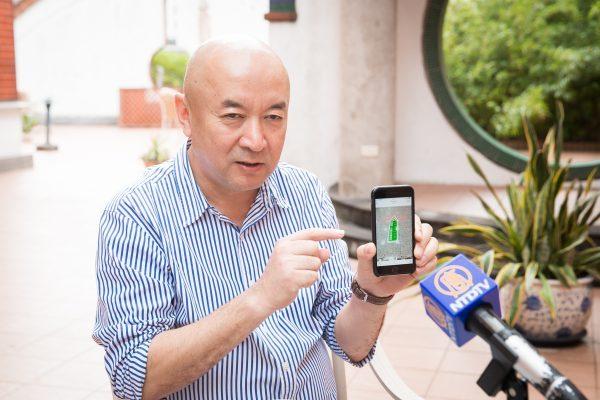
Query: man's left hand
point(425, 251)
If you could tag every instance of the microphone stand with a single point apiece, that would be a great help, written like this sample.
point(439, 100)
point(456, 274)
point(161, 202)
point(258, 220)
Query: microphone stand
point(515, 362)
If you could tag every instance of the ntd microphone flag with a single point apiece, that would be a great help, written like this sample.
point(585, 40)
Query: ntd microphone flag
point(453, 291)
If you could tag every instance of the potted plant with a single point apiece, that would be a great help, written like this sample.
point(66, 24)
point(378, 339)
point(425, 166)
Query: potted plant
point(539, 248)
point(28, 122)
point(156, 154)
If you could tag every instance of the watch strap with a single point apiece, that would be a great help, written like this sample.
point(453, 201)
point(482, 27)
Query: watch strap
point(368, 297)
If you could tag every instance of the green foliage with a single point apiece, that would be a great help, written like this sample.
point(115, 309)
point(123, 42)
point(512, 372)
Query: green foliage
point(539, 233)
point(172, 61)
point(508, 58)
point(28, 122)
point(157, 153)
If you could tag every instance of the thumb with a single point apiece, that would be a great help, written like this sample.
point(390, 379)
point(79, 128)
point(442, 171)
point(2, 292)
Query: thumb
point(365, 254)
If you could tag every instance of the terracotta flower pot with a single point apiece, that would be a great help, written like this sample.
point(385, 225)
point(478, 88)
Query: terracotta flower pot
point(573, 310)
point(150, 163)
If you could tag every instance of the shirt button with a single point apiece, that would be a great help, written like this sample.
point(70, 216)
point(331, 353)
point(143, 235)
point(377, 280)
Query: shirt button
point(286, 366)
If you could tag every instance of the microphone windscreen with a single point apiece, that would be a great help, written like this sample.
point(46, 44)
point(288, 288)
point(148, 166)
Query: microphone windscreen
point(453, 291)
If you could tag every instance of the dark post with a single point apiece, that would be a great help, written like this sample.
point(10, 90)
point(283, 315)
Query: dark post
point(47, 145)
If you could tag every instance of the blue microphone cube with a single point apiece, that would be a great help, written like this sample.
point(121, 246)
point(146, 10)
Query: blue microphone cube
point(452, 291)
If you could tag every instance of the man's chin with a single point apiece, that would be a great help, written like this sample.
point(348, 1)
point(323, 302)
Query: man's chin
point(248, 183)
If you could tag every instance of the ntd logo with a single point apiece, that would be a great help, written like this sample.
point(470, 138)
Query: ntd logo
point(457, 281)
point(452, 291)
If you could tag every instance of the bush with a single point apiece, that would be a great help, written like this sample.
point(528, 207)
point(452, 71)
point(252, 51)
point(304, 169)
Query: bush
point(28, 122)
point(173, 61)
point(508, 59)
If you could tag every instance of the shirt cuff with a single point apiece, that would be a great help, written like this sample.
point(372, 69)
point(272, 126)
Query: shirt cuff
point(329, 336)
point(131, 373)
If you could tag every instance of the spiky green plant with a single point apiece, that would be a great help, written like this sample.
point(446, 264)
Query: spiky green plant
point(539, 233)
point(157, 153)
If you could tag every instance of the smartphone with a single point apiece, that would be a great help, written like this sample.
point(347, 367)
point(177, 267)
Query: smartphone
point(393, 229)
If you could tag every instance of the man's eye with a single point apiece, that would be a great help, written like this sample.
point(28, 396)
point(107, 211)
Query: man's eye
point(232, 116)
point(273, 117)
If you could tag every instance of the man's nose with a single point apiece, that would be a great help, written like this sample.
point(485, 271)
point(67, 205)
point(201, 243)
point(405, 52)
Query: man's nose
point(253, 138)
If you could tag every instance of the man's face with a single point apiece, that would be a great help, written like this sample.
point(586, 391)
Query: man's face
point(237, 120)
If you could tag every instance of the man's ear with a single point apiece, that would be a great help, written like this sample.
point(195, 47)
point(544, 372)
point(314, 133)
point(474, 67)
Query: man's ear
point(183, 114)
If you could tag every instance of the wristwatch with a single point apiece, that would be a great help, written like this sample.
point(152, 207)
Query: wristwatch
point(368, 297)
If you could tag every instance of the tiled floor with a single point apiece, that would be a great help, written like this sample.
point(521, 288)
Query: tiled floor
point(48, 228)
point(438, 370)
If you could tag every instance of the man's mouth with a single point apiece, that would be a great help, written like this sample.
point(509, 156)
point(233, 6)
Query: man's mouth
point(249, 165)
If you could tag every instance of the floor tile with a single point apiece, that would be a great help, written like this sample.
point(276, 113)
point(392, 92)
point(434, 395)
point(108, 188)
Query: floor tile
point(413, 357)
point(56, 348)
point(7, 387)
point(37, 392)
point(76, 375)
point(414, 336)
point(583, 352)
point(366, 385)
point(464, 362)
point(454, 386)
point(21, 369)
point(580, 373)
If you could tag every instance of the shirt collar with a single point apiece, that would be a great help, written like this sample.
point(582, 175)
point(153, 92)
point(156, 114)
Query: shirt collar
point(193, 203)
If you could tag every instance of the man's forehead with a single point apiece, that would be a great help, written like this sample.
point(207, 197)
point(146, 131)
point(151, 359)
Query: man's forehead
point(226, 65)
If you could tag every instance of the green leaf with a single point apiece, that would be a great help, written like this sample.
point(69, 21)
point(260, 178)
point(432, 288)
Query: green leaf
point(547, 295)
point(445, 247)
point(467, 229)
point(589, 180)
point(507, 273)
point(559, 130)
point(574, 243)
point(539, 218)
point(595, 272)
point(526, 255)
point(587, 258)
point(594, 219)
point(530, 137)
point(479, 172)
point(530, 273)
point(559, 274)
point(443, 260)
point(516, 304)
point(501, 222)
point(570, 274)
point(549, 147)
point(487, 262)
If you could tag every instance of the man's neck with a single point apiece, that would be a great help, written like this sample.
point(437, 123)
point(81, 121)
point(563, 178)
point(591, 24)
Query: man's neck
point(233, 205)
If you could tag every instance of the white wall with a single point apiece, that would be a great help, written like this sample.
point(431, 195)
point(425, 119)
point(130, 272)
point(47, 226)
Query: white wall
point(428, 150)
point(310, 50)
point(80, 52)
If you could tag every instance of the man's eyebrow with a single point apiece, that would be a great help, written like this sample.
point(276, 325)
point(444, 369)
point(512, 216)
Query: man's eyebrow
point(278, 106)
point(231, 103)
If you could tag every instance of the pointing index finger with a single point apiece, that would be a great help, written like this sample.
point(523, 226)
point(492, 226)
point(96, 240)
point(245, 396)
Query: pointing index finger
point(317, 234)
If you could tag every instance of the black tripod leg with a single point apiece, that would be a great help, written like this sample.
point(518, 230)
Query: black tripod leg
point(515, 388)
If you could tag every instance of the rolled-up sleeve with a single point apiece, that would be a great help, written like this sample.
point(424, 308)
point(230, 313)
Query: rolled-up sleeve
point(135, 299)
point(334, 283)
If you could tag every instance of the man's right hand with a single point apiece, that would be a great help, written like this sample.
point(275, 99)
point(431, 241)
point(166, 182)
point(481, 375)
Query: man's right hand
point(293, 265)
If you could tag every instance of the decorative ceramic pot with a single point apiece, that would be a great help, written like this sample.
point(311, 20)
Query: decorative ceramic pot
point(150, 163)
point(573, 310)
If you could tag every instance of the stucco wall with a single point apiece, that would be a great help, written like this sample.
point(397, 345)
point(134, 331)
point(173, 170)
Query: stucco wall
point(310, 50)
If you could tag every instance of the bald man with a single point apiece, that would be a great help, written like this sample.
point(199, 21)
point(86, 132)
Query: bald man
point(221, 273)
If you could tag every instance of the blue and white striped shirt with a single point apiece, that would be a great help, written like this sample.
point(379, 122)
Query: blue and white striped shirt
point(167, 258)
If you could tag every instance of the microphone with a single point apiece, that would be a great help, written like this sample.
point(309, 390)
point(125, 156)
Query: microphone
point(463, 301)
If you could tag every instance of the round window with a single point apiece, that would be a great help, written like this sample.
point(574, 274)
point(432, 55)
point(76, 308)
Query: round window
point(489, 62)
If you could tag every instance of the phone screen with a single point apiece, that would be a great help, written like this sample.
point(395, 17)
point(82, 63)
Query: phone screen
point(393, 221)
